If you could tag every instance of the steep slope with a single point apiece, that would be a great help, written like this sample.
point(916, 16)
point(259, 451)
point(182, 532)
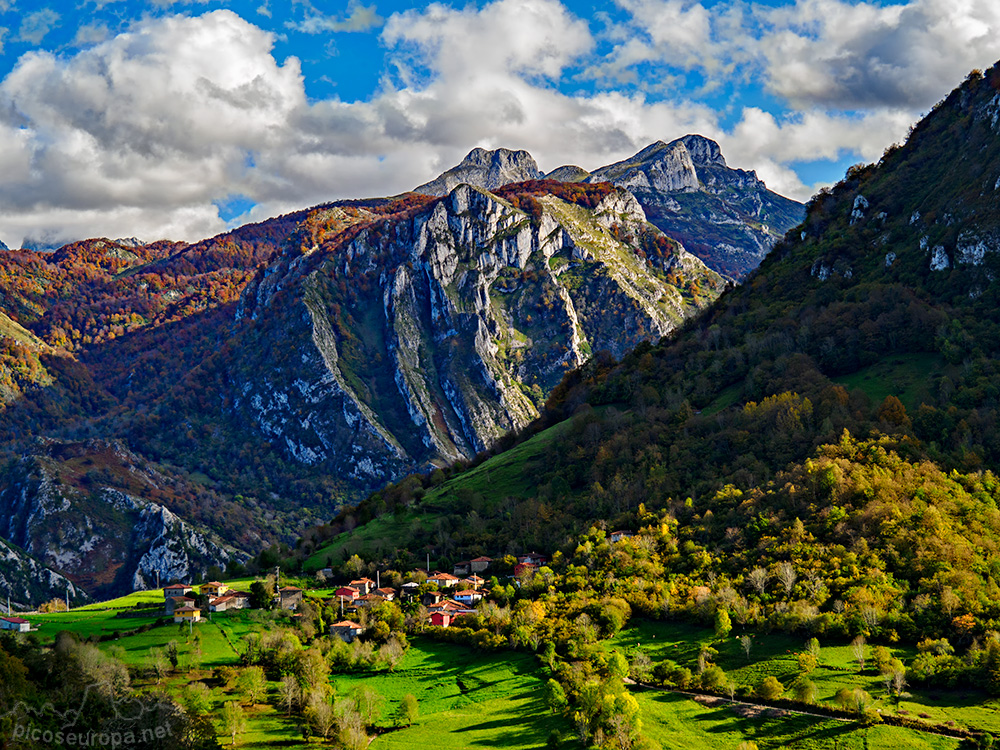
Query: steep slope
point(484, 169)
point(834, 421)
point(30, 583)
point(727, 217)
point(85, 510)
point(424, 337)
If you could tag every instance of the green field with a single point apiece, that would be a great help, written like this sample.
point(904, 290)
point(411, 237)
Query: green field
point(679, 723)
point(467, 699)
point(906, 376)
point(85, 624)
point(775, 654)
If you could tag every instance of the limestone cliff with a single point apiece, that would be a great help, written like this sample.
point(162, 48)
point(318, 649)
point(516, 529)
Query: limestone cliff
point(65, 506)
point(423, 339)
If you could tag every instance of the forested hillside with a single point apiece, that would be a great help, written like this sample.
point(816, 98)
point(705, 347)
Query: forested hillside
point(832, 423)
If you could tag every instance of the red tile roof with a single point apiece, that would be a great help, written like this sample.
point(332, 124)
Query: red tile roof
point(15, 620)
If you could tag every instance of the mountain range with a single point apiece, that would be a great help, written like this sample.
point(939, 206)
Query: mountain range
point(836, 417)
point(162, 397)
point(726, 217)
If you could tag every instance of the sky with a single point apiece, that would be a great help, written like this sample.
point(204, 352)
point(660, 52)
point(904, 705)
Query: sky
point(179, 120)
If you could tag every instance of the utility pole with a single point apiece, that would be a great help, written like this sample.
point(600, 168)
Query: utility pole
point(378, 579)
point(67, 599)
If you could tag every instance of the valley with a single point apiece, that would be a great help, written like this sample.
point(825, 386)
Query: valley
point(616, 499)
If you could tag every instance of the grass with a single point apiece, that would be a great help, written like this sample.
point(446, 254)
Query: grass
point(679, 723)
point(906, 376)
point(774, 654)
point(86, 624)
point(467, 699)
point(501, 476)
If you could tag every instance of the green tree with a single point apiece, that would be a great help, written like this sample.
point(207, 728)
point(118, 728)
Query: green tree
point(234, 722)
point(407, 711)
point(770, 688)
point(804, 689)
point(252, 684)
point(555, 696)
point(723, 624)
point(197, 698)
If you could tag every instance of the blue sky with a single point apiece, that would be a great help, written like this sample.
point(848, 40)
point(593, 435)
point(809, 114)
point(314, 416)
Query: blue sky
point(178, 119)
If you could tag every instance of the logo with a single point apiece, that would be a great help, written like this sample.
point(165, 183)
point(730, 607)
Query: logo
point(134, 723)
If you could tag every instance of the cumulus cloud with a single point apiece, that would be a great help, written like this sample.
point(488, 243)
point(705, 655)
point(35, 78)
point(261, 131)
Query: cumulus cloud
point(857, 55)
point(147, 132)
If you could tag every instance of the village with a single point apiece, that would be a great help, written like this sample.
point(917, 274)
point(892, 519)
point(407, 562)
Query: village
point(444, 596)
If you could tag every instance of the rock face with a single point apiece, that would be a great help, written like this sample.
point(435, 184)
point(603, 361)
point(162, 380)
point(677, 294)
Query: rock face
point(30, 583)
point(425, 338)
point(485, 169)
point(100, 537)
point(727, 217)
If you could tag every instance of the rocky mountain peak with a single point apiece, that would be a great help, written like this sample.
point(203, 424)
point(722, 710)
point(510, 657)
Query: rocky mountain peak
point(485, 169)
point(704, 151)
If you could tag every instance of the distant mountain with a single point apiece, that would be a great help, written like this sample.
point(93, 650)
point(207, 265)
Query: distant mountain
point(727, 217)
point(485, 169)
point(568, 173)
point(160, 398)
point(85, 509)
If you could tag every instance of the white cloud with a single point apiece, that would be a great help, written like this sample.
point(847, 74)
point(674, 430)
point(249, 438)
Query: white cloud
point(359, 18)
point(36, 26)
point(860, 55)
point(91, 34)
point(140, 133)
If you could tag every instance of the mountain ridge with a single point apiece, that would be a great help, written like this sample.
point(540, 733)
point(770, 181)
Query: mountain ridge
point(727, 217)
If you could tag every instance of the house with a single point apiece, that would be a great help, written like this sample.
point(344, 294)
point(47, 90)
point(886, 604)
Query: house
point(474, 581)
point(409, 590)
point(386, 593)
point(17, 624)
point(480, 564)
point(617, 536)
point(241, 599)
point(290, 596)
point(347, 592)
point(176, 602)
point(523, 569)
point(443, 580)
point(363, 585)
point(369, 600)
point(222, 603)
point(177, 589)
point(452, 607)
point(431, 598)
point(440, 619)
point(187, 614)
point(469, 596)
point(533, 559)
point(346, 630)
point(213, 589)
point(463, 568)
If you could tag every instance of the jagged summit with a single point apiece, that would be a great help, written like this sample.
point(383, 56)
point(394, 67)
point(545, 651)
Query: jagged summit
point(725, 216)
point(485, 169)
point(704, 151)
